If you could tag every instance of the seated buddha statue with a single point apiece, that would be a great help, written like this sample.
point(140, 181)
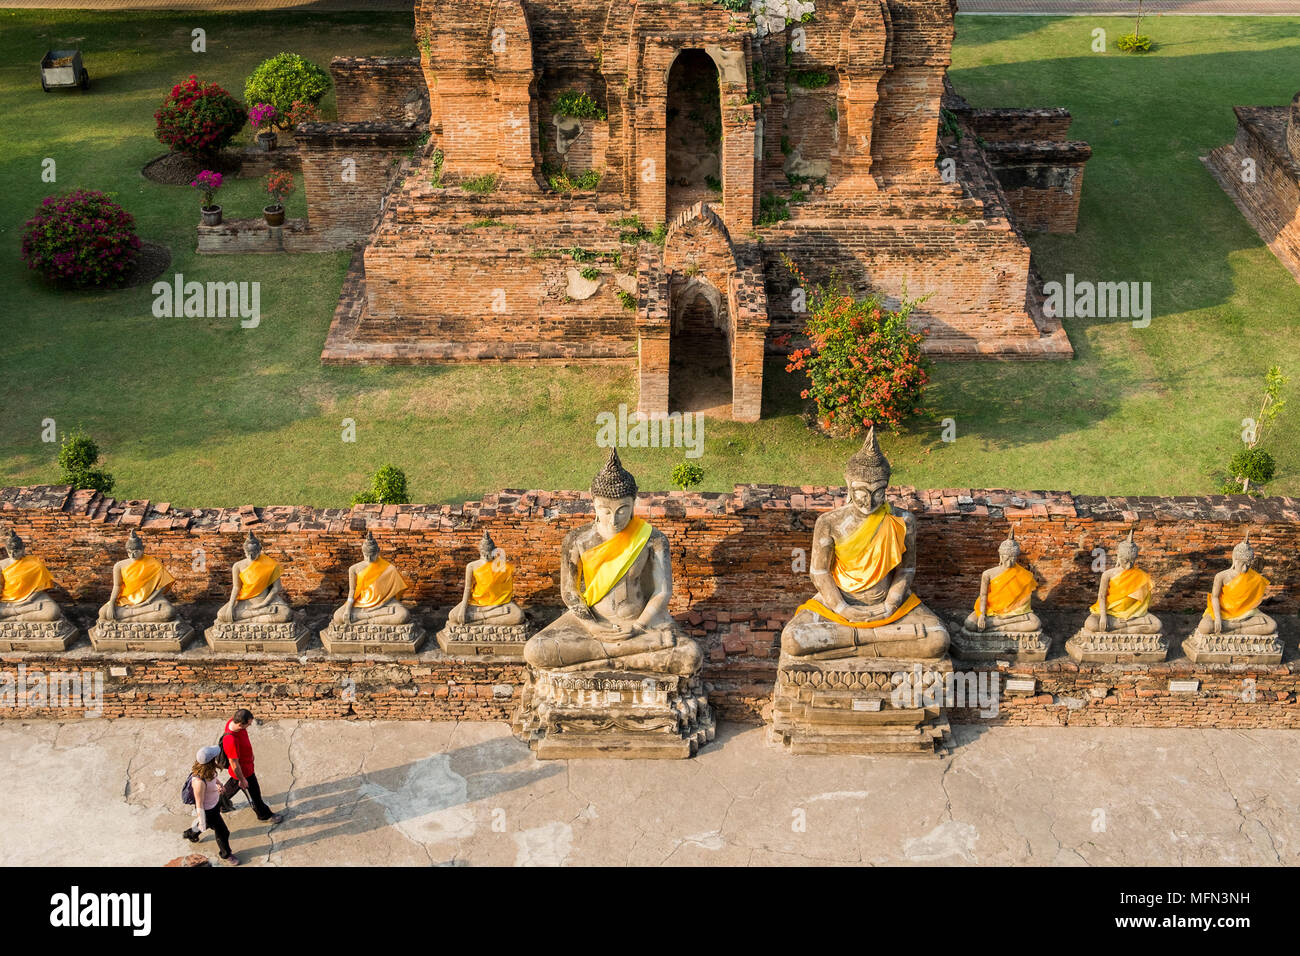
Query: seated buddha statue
point(26, 580)
point(256, 595)
point(489, 596)
point(1005, 603)
point(138, 586)
point(862, 564)
point(1235, 596)
point(375, 589)
point(1124, 597)
point(616, 581)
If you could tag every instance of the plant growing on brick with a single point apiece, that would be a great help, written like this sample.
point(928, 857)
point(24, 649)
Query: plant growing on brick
point(387, 487)
point(863, 363)
point(78, 458)
point(198, 119)
point(773, 209)
point(482, 185)
point(284, 79)
point(579, 105)
point(81, 239)
point(628, 300)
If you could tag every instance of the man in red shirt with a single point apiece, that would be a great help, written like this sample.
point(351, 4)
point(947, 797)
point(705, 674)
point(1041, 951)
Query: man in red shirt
point(239, 749)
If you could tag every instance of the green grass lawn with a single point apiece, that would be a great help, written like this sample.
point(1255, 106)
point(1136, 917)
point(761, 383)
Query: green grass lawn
point(201, 412)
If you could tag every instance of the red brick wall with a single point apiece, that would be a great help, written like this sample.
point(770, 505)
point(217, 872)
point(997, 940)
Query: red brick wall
point(1043, 182)
point(379, 88)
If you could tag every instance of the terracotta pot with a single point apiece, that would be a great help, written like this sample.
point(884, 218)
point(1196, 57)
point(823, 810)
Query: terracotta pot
point(266, 141)
point(211, 215)
point(274, 215)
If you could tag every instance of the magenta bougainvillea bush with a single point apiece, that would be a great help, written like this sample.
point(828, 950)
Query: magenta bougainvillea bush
point(82, 239)
point(199, 118)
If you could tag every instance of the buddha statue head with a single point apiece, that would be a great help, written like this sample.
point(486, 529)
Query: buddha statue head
point(487, 548)
point(867, 476)
point(14, 545)
point(1243, 556)
point(369, 547)
point(1127, 552)
point(252, 547)
point(613, 491)
point(134, 546)
point(1009, 550)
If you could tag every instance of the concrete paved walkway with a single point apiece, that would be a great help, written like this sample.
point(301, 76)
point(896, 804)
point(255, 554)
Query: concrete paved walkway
point(100, 792)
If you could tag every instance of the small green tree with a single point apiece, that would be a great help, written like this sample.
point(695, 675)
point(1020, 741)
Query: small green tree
point(286, 79)
point(687, 475)
point(78, 456)
point(1253, 465)
point(387, 487)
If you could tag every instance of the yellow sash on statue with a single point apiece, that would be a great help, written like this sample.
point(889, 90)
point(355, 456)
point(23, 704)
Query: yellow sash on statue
point(604, 565)
point(817, 607)
point(24, 578)
point(1239, 596)
point(257, 577)
point(1128, 595)
point(492, 588)
point(378, 583)
point(141, 579)
point(869, 553)
point(1010, 592)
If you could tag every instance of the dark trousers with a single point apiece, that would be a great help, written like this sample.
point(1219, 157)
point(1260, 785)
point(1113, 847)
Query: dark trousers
point(231, 788)
point(219, 830)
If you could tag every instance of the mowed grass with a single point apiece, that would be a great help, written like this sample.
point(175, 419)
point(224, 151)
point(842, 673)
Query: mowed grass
point(202, 412)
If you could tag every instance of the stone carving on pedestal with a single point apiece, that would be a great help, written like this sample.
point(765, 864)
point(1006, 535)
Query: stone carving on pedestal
point(847, 646)
point(488, 620)
point(258, 616)
point(138, 615)
point(1234, 630)
point(30, 620)
point(373, 619)
point(1121, 627)
point(1003, 625)
point(615, 675)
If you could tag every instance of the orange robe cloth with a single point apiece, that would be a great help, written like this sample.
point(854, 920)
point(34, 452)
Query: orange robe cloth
point(1010, 592)
point(24, 578)
point(604, 565)
point(257, 577)
point(492, 588)
point(378, 583)
point(862, 560)
point(141, 579)
point(1128, 595)
point(1239, 596)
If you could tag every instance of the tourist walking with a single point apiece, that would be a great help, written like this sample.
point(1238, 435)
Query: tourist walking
point(239, 750)
point(205, 791)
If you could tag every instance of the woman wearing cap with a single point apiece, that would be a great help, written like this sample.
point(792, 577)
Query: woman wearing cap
point(207, 796)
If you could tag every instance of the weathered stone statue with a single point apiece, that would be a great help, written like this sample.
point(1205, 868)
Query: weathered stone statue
point(1003, 625)
point(615, 675)
point(1233, 629)
point(258, 616)
point(30, 620)
point(1121, 627)
point(373, 619)
point(487, 620)
point(843, 646)
point(138, 615)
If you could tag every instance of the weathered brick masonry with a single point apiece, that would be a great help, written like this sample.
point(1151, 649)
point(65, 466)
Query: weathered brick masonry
point(737, 578)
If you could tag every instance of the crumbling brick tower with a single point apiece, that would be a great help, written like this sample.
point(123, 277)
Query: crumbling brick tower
point(608, 180)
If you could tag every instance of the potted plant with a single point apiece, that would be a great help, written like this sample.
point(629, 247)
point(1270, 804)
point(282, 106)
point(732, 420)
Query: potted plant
point(263, 116)
point(279, 185)
point(207, 183)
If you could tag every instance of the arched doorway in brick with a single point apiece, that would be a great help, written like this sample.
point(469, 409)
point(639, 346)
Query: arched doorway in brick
point(694, 132)
point(699, 370)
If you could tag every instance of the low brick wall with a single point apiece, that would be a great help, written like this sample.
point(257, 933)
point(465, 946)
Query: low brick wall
point(1043, 182)
point(1018, 125)
point(380, 88)
point(242, 236)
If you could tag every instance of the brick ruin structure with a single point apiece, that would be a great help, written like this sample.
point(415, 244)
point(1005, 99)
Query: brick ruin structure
point(1260, 170)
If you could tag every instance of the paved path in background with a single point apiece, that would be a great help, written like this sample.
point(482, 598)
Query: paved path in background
point(99, 792)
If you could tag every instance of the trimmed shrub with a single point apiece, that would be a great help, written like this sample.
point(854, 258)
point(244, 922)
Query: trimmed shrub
point(81, 238)
point(686, 475)
point(198, 118)
point(78, 456)
point(387, 487)
point(284, 79)
point(1134, 43)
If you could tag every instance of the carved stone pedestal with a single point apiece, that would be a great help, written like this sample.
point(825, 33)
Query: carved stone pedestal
point(1233, 648)
point(37, 635)
point(1100, 647)
point(158, 637)
point(495, 640)
point(373, 638)
point(859, 705)
point(566, 714)
point(244, 638)
point(1016, 647)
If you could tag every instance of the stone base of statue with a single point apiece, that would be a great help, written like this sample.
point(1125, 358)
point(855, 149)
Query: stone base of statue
point(613, 713)
point(37, 635)
point(246, 637)
point(487, 640)
point(858, 705)
point(1118, 647)
point(1233, 648)
point(995, 645)
point(155, 636)
point(373, 638)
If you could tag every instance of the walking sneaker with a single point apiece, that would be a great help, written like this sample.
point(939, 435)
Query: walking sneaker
point(190, 835)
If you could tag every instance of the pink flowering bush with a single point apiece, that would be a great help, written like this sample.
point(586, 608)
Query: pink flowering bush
point(262, 115)
point(208, 182)
point(81, 238)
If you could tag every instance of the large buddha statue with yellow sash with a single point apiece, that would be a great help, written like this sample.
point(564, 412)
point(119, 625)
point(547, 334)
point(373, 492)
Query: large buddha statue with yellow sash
point(139, 585)
point(1120, 626)
point(616, 581)
point(862, 563)
point(26, 581)
point(489, 596)
point(256, 595)
point(375, 589)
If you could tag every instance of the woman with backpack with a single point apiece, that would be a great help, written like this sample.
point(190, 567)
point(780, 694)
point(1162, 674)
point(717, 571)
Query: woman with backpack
point(204, 791)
